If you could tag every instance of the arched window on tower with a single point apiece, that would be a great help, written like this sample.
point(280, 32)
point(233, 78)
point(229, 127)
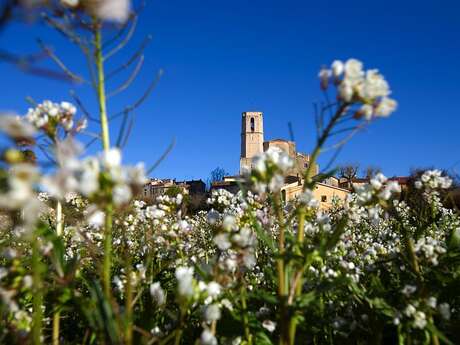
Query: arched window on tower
point(253, 125)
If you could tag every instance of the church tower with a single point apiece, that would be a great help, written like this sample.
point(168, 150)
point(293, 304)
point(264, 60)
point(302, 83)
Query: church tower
point(252, 137)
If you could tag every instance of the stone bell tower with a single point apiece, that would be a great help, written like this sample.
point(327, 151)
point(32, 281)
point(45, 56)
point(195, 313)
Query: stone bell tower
point(252, 137)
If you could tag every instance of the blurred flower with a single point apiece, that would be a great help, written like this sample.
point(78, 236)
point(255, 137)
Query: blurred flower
point(157, 293)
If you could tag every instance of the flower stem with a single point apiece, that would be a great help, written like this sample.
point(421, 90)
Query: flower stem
point(321, 141)
point(101, 86)
point(57, 313)
point(247, 332)
point(56, 326)
point(37, 299)
point(59, 218)
point(282, 288)
point(101, 92)
point(107, 250)
point(129, 303)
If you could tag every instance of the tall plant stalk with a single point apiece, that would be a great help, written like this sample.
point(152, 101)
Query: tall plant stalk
point(37, 299)
point(288, 330)
point(57, 313)
point(56, 326)
point(105, 134)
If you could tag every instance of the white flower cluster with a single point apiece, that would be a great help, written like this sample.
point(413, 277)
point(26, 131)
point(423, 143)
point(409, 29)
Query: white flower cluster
point(237, 244)
point(356, 85)
point(379, 187)
point(101, 176)
point(430, 249)
point(111, 10)
point(419, 317)
point(269, 169)
point(431, 182)
point(308, 199)
point(433, 179)
point(49, 116)
point(16, 127)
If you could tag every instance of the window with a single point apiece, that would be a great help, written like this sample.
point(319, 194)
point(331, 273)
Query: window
point(306, 165)
point(323, 198)
point(253, 125)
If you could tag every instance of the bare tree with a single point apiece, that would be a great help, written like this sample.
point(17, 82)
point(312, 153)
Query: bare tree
point(216, 174)
point(348, 171)
point(371, 171)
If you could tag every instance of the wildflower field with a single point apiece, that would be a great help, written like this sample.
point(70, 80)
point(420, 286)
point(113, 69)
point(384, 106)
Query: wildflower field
point(83, 260)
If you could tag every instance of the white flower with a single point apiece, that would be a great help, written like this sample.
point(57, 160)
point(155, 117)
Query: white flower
point(96, 219)
point(367, 111)
point(324, 75)
point(222, 241)
point(276, 183)
point(207, 338)
point(337, 68)
point(385, 107)
point(307, 198)
point(111, 10)
point(212, 313)
point(346, 90)
point(229, 223)
point(157, 293)
point(432, 302)
point(410, 310)
point(353, 70)
point(213, 289)
point(121, 194)
point(15, 126)
point(420, 320)
point(258, 163)
point(374, 85)
point(184, 276)
point(70, 3)
point(409, 290)
point(269, 325)
point(444, 310)
point(112, 158)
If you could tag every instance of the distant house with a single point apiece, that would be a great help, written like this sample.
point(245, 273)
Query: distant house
point(156, 187)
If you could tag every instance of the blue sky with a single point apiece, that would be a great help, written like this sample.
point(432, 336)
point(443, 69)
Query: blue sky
point(221, 58)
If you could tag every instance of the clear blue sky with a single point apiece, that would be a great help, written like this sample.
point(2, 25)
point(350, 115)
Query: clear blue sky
point(221, 58)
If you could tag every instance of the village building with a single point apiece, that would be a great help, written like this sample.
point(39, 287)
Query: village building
point(156, 187)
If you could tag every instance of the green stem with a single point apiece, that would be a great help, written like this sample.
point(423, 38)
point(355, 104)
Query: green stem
point(37, 299)
point(101, 86)
point(56, 326)
point(57, 313)
point(106, 145)
point(179, 330)
point(107, 250)
point(59, 218)
point(128, 303)
point(321, 141)
point(244, 307)
point(282, 286)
